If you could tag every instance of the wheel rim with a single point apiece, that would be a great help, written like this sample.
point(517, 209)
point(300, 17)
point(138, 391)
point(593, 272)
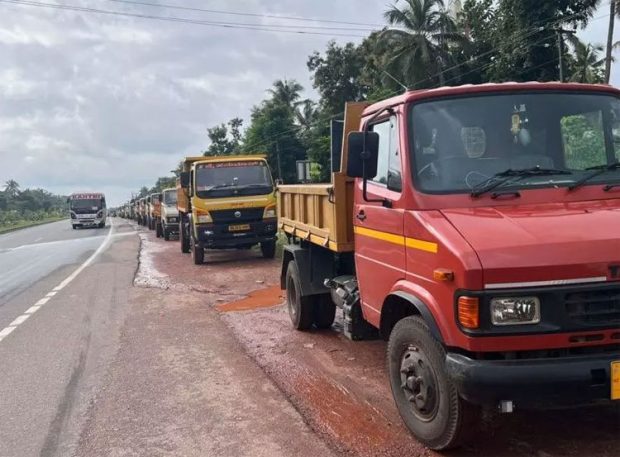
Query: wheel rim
point(419, 384)
point(291, 296)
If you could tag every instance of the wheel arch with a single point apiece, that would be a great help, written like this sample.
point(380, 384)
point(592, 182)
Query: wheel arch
point(400, 304)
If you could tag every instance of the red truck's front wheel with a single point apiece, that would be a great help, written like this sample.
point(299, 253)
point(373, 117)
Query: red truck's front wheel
point(426, 399)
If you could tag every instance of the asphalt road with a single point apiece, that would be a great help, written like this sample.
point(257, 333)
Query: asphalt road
point(61, 310)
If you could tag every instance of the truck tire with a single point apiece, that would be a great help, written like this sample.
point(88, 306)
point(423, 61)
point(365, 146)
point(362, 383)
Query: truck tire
point(299, 308)
point(324, 311)
point(427, 400)
point(166, 235)
point(101, 225)
point(74, 227)
point(183, 239)
point(268, 249)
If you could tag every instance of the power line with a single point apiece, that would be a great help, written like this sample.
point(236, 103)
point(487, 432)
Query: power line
point(237, 13)
point(175, 19)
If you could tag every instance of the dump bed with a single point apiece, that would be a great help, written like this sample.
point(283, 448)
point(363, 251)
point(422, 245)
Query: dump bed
point(323, 213)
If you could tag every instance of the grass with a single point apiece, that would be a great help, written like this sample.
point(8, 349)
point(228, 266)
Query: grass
point(24, 224)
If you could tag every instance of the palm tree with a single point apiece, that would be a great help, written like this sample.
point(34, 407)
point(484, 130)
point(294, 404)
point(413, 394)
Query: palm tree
point(286, 92)
point(587, 62)
point(614, 12)
point(306, 113)
point(419, 49)
point(11, 187)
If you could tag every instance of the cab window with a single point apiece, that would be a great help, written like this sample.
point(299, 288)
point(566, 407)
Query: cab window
point(389, 172)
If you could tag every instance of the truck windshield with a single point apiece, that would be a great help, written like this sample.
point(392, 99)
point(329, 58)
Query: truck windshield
point(170, 198)
point(94, 204)
point(459, 145)
point(233, 178)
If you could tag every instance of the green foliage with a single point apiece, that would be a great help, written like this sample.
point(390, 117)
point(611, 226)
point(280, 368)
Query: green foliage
point(273, 131)
point(30, 205)
point(225, 138)
point(584, 141)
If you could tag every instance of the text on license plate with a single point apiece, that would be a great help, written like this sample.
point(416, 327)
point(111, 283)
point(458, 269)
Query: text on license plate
point(238, 227)
point(615, 380)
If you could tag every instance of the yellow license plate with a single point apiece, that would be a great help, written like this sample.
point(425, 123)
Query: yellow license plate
point(615, 380)
point(239, 228)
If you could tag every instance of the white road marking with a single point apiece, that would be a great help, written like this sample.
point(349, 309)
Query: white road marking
point(19, 320)
point(33, 309)
point(38, 239)
point(6, 332)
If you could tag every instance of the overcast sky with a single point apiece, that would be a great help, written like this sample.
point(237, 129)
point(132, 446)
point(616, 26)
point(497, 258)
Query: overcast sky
point(94, 102)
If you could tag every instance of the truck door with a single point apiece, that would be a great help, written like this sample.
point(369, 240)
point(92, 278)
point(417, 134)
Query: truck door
point(380, 255)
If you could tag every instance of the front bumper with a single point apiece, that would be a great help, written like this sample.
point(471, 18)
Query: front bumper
point(534, 383)
point(219, 236)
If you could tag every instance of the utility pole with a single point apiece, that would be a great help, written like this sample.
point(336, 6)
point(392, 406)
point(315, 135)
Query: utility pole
point(560, 32)
point(278, 160)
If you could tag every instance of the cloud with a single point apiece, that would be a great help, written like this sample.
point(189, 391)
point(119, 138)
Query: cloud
point(103, 102)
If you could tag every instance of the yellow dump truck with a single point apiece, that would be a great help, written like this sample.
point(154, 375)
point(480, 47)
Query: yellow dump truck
point(225, 203)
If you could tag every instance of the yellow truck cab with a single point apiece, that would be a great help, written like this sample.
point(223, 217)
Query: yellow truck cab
point(227, 202)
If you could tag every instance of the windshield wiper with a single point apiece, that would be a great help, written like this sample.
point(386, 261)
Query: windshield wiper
point(250, 186)
point(511, 176)
point(598, 170)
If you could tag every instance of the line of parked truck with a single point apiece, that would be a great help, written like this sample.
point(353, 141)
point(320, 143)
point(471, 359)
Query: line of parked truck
point(475, 228)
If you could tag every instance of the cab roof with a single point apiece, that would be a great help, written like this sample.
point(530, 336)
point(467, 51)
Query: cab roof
point(471, 89)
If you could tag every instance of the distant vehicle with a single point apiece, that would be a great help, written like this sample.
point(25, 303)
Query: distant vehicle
point(168, 223)
point(142, 211)
point(153, 210)
point(87, 210)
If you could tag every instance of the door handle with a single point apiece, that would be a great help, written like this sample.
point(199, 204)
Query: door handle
point(361, 215)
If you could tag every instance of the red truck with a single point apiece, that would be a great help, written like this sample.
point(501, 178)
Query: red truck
point(477, 230)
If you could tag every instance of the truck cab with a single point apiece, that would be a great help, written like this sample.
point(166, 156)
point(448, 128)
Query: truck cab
point(87, 210)
point(142, 211)
point(228, 203)
point(483, 244)
point(153, 210)
point(169, 218)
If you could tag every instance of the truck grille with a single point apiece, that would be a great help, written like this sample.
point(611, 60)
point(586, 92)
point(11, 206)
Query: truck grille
point(594, 307)
point(227, 216)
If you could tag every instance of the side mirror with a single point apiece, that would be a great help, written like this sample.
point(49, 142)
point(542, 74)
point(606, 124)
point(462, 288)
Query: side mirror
point(363, 154)
point(184, 178)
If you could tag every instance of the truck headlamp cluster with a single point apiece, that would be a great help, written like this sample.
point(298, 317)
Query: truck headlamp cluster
point(204, 218)
point(515, 310)
point(270, 212)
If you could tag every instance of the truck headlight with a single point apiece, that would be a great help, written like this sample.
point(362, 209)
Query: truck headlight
point(515, 310)
point(204, 218)
point(270, 212)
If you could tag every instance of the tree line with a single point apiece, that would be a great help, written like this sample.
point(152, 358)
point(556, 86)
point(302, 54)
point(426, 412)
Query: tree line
point(29, 205)
point(425, 44)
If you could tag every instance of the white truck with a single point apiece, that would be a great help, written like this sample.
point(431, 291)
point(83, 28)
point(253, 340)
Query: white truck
point(87, 210)
point(169, 219)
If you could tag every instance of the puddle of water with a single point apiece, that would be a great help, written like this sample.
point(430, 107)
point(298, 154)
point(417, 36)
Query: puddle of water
point(262, 298)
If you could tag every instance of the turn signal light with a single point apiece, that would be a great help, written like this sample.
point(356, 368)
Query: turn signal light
point(469, 312)
point(441, 274)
